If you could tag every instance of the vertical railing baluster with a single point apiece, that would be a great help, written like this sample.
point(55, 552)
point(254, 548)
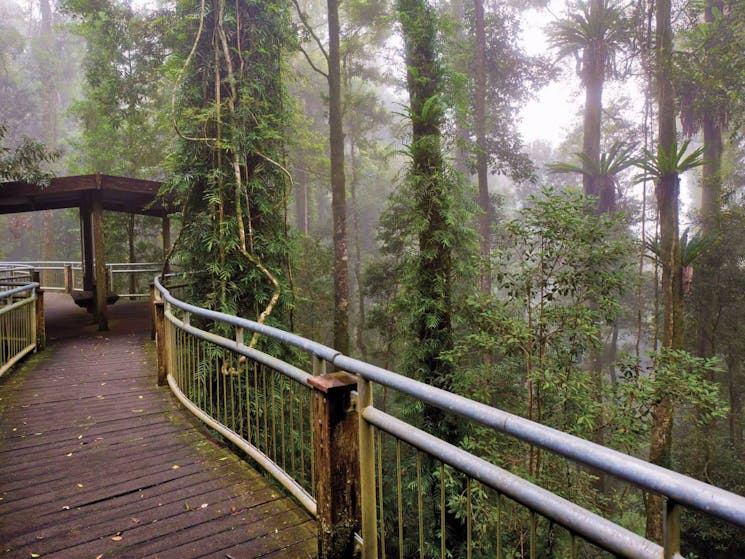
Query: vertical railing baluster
point(400, 501)
point(367, 473)
point(420, 502)
point(671, 532)
point(499, 526)
point(469, 520)
point(443, 543)
point(533, 536)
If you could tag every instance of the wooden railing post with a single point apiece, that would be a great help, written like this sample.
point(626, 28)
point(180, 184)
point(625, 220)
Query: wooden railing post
point(153, 320)
point(40, 331)
point(335, 445)
point(159, 318)
point(69, 282)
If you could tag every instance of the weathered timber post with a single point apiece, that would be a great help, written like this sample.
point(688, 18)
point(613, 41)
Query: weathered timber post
point(335, 447)
point(159, 329)
point(153, 298)
point(100, 262)
point(69, 282)
point(40, 331)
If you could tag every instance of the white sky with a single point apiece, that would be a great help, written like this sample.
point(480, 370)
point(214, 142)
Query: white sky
point(553, 111)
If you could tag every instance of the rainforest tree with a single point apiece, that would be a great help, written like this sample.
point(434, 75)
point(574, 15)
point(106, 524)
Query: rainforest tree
point(229, 110)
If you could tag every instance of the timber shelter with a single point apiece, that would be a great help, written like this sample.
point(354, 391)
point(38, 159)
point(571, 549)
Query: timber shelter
point(91, 194)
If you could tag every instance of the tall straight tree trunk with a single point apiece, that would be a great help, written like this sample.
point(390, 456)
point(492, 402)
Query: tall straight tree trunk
point(301, 201)
point(131, 257)
point(433, 280)
point(711, 194)
point(432, 192)
point(357, 265)
point(482, 155)
point(667, 195)
point(593, 77)
point(734, 374)
point(338, 187)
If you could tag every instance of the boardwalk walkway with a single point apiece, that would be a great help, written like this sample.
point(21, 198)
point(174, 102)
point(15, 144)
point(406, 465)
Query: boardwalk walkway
point(95, 461)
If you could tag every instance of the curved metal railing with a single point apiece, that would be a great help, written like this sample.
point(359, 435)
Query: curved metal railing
point(126, 279)
point(18, 314)
point(211, 372)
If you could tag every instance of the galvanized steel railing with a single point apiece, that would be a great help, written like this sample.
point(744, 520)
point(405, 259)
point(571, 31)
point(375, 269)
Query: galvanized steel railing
point(129, 280)
point(210, 373)
point(19, 313)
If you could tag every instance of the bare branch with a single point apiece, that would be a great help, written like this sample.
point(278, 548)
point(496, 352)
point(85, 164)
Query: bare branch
point(316, 68)
point(309, 28)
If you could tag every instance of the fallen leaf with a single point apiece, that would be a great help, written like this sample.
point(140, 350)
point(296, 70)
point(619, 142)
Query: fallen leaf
point(175, 467)
point(65, 508)
point(80, 485)
point(35, 555)
point(116, 538)
point(80, 437)
point(69, 454)
point(204, 506)
point(99, 556)
point(135, 520)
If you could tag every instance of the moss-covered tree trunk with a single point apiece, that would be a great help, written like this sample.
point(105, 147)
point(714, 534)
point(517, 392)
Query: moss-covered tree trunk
point(338, 187)
point(229, 111)
point(593, 78)
point(482, 153)
point(667, 194)
point(432, 280)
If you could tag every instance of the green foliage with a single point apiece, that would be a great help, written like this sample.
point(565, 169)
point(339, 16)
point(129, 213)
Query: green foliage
point(25, 161)
point(670, 373)
point(666, 163)
point(605, 30)
point(617, 159)
point(227, 169)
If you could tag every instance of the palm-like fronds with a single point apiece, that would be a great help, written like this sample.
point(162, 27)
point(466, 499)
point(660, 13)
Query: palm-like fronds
point(691, 247)
point(665, 163)
point(605, 27)
point(618, 158)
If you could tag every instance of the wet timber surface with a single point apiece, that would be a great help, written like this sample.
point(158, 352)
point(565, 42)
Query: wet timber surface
point(97, 462)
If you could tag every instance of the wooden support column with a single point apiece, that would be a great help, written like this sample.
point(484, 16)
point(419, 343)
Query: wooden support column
point(335, 446)
point(166, 237)
point(100, 260)
point(159, 319)
point(86, 239)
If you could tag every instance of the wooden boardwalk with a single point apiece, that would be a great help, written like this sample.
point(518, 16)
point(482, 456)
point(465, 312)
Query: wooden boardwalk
point(95, 461)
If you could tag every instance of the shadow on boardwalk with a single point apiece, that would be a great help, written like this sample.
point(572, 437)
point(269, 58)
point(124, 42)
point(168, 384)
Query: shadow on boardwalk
point(95, 461)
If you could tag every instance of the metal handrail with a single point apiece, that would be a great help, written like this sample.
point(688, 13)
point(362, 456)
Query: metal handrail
point(679, 489)
point(18, 322)
point(55, 280)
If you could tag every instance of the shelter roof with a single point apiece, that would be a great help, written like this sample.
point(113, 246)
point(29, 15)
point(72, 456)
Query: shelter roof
point(119, 194)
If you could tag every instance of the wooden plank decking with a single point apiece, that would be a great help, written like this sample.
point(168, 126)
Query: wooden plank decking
point(95, 461)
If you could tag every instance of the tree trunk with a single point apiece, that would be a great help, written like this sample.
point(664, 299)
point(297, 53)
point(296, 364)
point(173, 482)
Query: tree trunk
point(301, 201)
point(667, 195)
point(711, 194)
point(131, 257)
point(338, 188)
point(593, 76)
point(357, 265)
point(482, 155)
point(734, 374)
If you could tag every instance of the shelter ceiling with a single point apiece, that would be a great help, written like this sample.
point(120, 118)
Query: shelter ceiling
point(119, 194)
